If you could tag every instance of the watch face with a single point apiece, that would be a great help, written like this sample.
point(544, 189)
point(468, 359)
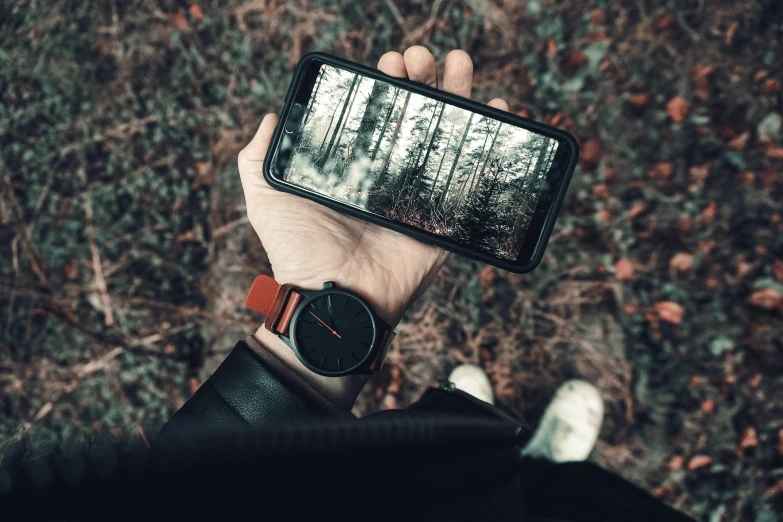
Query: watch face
point(334, 332)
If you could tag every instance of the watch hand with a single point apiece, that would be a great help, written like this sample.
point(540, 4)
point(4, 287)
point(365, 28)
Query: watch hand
point(327, 326)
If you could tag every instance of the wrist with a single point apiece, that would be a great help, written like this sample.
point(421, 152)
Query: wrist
point(342, 391)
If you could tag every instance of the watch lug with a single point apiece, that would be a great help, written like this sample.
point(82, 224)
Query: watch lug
point(329, 284)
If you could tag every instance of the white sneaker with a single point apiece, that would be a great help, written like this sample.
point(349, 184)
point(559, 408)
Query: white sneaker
point(472, 380)
point(570, 425)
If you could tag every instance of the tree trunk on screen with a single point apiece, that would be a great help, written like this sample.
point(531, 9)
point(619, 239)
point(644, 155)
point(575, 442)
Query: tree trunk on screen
point(489, 154)
point(456, 159)
point(346, 103)
point(423, 167)
point(345, 122)
point(372, 111)
point(382, 176)
point(312, 100)
point(385, 124)
point(440, 165)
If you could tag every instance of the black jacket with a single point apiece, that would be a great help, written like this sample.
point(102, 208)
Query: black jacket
point(257, 441)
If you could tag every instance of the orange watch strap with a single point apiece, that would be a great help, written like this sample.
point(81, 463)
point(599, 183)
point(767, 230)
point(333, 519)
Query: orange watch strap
point(262, 294)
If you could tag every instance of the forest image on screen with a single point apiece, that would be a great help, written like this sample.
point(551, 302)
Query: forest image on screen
point(418, 161)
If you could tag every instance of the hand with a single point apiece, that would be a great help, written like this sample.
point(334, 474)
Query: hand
point(308, 244)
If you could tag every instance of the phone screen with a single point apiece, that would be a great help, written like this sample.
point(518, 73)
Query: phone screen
point(419, 161)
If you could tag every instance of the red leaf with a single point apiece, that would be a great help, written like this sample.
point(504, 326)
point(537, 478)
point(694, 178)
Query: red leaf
point(775, 153)
point(708, 214)
point(624, 270)
point(708, 406)
point(682, 261)
point(640, 99)
point(180, 22)
point(677, 108)
point(196, 13)
point(749, 438)
point(591, 153)
point(669, 311)
point(675, 462)
point(739, 142)
point(699, 461)
point(771, 86)
point(665, 22)
point(766, 298)
point(662, 171)
point(597, 17)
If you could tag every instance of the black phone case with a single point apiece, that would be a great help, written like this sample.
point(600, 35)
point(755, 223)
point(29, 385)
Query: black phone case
point(458, 101)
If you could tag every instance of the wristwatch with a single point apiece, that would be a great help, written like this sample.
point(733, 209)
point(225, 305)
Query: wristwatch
point(332, 331)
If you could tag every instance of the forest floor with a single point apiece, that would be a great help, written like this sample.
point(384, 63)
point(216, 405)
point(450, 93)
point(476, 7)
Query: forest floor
point(125, 250)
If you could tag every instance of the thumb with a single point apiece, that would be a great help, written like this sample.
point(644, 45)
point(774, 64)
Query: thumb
point(251, 160)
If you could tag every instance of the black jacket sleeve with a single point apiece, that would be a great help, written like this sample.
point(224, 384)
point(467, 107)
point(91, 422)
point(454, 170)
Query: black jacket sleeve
point(250, 388)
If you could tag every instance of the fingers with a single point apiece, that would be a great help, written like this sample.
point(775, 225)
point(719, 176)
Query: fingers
point(251, 160)
point(458, 73)
point(393, 64)
point(421, 66)
point(498, 103)
point(256, 149)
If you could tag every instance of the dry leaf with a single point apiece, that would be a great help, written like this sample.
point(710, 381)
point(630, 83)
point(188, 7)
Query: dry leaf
point(610, 174)
point(640, 99)
point(731, 31)
point(682, 261)
point(624, 270)
point(777, 270)
point(523, 113)
point(70, 271)
point(739, 142)
point(675, 462)
point(743, 267)
point(597, 17)
point(669, 311)
point(551, 47)
point(699, 174)
point(760, 75)
point(755, 381)
point(780, 441)
point(662, 171)
point(771, 86)
point(636, 210)
point(180, 22)
point(196, 13)
point(487, 276)
point(774, 489)
point(665, 22)
point(591, 153)
point(699, 461)
point(169, 349)
point(604, 215)
point(708, 406)
point(677, 108)
point(748, 178)
point(193, 385)
point(700, 72)
point(749, 438)
point(600, 191)
point(708, 214)
point(775, 153)
point(766, 298)
point(703, 91)
point(630, 308)
point(577, 59)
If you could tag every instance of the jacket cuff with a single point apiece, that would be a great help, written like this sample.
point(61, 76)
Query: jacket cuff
point(295, 382)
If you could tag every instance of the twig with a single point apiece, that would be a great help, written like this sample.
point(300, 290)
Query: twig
point(398, 17)
point(27, 244)
point(100, 281)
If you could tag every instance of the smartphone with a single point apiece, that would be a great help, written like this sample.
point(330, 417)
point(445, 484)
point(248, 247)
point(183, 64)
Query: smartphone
point(475, 180)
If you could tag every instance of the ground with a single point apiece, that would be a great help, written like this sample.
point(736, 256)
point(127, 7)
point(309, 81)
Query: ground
point(125, 249)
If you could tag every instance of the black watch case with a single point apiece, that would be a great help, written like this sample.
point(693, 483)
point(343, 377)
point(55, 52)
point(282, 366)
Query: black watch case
point(334, 332)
